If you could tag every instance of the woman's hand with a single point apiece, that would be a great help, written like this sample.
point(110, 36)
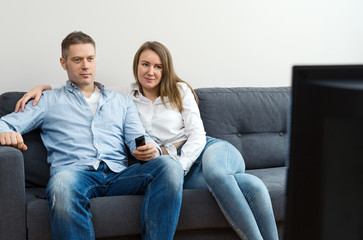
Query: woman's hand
point(35, 93)
point(177, 145)
point(146, 152)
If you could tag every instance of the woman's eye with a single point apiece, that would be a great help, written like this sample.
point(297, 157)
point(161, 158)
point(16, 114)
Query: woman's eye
point(158, 67)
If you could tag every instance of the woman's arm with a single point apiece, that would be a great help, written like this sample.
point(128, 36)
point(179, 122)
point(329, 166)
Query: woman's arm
point(35, 93)
point(194, 130)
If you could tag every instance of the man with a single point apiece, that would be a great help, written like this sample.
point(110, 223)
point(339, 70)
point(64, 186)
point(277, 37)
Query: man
point(86, 130)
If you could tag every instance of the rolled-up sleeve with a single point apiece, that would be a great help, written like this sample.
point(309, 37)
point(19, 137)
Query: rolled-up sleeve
point(26, 121)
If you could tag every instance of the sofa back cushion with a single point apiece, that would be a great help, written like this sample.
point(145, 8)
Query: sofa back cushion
point(254, 120)
point(35, 158)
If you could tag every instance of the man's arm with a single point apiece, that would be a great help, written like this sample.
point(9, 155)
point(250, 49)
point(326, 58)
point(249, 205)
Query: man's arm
point(13, 125)
point(133, 129)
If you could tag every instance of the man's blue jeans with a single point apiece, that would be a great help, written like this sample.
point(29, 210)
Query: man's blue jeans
point(161, 180)
point(243, 198)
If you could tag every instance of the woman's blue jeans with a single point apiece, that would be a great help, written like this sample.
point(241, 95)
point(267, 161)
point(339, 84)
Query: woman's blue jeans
point(161, 180)
point(243, 198)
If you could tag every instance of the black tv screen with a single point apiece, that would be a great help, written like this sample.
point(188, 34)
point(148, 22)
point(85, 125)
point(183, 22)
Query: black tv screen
point(325, 160)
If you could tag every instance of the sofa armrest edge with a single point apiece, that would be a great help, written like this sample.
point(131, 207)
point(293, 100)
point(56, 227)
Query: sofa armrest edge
point(12, 194)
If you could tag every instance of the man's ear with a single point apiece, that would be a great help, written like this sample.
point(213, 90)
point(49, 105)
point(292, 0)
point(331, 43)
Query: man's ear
point(63, 63)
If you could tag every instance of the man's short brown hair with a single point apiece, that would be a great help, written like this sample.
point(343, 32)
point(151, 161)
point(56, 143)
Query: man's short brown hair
point(73, 38)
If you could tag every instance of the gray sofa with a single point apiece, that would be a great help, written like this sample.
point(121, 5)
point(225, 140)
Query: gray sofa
point(252, 119)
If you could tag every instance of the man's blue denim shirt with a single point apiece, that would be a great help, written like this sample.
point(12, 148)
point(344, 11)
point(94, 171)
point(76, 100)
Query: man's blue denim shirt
point(74, 137)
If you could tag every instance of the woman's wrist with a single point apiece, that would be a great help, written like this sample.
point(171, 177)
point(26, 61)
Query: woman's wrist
point(171, 150)
point(46, 87)
point(163, 151)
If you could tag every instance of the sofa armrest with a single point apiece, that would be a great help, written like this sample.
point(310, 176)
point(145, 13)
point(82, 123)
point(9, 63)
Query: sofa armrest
point(12, 194)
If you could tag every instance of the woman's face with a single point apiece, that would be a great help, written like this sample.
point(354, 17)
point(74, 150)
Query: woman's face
point(149, 71)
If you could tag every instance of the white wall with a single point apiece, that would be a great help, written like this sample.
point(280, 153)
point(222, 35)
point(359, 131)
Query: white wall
point(213, 42)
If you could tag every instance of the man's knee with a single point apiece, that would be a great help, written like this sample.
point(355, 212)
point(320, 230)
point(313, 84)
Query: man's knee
point(61, 188)
point(171, 171)
point(62, 181)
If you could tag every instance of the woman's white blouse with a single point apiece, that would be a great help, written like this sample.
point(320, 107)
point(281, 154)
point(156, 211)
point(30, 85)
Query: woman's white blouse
point(167, 125)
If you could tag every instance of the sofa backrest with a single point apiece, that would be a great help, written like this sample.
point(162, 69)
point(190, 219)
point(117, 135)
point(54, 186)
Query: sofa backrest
point(254, 120)
point(35, 158)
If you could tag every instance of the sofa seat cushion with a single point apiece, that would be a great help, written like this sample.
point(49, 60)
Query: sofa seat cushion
point(275, 181)
point(120, 215)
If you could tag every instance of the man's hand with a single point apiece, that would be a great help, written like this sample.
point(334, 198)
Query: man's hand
point(13, 139)
point(146, 152)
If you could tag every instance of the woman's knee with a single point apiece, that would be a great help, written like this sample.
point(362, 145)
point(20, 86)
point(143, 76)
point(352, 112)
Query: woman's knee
point(253, 186)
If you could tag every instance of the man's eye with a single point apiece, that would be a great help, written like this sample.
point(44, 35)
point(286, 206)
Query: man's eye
point(77, 60)
point(91, 59)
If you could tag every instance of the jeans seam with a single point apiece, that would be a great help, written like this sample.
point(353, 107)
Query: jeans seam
point(91, 228)
point(229, 219)
point(89, 217)
point(146, 219)
point(227, 161)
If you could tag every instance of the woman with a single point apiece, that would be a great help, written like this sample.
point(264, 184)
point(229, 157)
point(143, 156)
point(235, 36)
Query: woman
point(168, 109)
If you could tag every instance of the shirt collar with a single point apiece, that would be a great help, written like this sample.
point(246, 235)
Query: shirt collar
point(71, 87)
point(134, 88)
point(135, 94)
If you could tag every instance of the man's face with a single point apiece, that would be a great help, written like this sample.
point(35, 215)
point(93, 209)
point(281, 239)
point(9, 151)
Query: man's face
point(80, 64)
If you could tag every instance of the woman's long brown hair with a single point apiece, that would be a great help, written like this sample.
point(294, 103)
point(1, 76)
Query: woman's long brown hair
point(169, 80)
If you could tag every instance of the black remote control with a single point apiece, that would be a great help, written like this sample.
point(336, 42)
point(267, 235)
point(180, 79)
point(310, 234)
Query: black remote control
point(140, 141)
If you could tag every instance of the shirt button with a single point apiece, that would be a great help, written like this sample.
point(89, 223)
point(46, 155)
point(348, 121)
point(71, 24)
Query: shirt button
point(239, 135)
point(79, 93)
point(96, 144)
